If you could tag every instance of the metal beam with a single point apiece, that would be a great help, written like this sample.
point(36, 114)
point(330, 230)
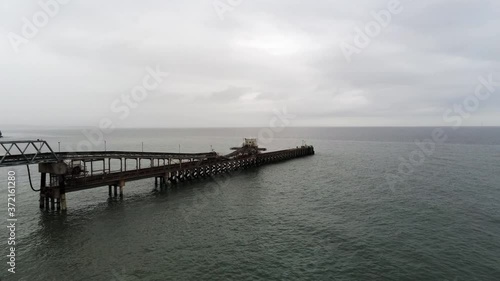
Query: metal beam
point(11, 157)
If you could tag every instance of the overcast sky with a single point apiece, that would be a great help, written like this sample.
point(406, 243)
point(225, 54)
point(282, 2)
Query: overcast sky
point(235, 67)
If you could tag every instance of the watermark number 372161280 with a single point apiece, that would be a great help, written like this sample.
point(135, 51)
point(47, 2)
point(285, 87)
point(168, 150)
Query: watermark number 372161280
point(11, 221)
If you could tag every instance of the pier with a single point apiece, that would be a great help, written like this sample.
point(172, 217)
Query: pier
point(65, 172)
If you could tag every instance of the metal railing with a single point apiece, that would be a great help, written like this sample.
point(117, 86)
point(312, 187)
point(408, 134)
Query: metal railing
point(25, 152)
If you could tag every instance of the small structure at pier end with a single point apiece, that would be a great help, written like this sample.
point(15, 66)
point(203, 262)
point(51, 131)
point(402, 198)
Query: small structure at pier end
point(64, 172)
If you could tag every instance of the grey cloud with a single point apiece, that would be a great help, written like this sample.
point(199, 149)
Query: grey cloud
point(264, 55)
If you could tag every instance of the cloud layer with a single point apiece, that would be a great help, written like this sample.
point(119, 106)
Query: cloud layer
point(262, 55)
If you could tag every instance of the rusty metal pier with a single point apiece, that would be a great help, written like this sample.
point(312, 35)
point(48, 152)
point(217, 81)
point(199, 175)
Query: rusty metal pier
point(64, 172)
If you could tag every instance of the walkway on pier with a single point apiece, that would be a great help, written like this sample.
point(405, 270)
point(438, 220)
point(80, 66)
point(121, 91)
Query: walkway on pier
point(28, 152)
point(74, 171)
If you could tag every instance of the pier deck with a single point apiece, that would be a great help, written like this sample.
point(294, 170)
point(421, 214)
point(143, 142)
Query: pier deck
point(75, 171)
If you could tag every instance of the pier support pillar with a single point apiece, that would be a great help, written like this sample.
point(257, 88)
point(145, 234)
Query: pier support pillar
point(163, 182)
point(62, 194)
point(164, 179)
point(116, 190)
point(110, 191)
point(56, 196)
point(43, 177)
point(42, 200)
point(122, 184)
point(64, 207)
